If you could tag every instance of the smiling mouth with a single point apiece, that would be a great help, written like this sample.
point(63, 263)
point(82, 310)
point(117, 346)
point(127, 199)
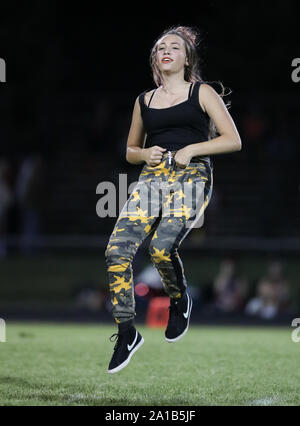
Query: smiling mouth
point(167, 61)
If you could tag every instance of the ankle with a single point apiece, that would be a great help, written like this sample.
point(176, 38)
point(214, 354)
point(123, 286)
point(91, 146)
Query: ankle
point(183, 296)
point(126, 326)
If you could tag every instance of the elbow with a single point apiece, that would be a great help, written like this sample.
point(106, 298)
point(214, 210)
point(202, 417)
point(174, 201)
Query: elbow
point(128, 160)
point(238, 144)
point(234, 142)
point(128, 156)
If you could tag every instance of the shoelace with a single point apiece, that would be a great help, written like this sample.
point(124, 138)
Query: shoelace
point(116, 336)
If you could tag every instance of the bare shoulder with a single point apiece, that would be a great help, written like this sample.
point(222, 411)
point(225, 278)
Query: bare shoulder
point(206, 92)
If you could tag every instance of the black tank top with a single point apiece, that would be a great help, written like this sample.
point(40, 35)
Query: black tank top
point(175, 127)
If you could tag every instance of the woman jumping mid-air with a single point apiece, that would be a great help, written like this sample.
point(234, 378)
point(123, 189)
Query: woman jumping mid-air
point(174, 186)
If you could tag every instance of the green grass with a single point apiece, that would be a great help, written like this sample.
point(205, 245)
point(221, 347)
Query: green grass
point(62, 364)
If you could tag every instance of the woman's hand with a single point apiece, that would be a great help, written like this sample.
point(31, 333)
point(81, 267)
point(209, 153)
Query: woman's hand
point(183, 157)
point(153, 155)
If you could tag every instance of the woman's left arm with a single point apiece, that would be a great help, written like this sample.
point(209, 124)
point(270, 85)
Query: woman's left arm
point(229, 139)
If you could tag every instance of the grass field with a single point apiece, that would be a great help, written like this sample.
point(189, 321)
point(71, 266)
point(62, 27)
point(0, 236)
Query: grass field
point(52, 364)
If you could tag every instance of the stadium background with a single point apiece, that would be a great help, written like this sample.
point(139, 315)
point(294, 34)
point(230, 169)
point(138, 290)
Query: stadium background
point(73, 73)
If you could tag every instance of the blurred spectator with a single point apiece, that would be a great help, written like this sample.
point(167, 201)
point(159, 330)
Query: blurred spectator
point(229, 288)
point(31, 195)
point(272, 295)
point(90, 297)
point(148, 283)
point(6, 200)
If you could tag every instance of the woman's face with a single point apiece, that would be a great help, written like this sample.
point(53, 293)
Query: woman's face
point(171, 54)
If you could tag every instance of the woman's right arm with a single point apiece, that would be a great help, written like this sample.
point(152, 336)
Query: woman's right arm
point(136, 153)
point(136, 138)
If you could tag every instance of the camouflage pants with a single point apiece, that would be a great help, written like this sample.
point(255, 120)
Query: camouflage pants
point(170, 201)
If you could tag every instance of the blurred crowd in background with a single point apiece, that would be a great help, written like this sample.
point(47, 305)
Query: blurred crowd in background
point(229, 293)
point(22, 200)
point(256, 191)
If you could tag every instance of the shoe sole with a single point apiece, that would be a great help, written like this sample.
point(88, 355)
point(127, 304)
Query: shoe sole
point(126, 362)
point(184, 332)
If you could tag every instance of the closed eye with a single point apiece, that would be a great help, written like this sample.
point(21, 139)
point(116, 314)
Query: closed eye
point(177, 48)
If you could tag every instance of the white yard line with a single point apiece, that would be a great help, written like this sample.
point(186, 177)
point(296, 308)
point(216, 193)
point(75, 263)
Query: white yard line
point(263, 401)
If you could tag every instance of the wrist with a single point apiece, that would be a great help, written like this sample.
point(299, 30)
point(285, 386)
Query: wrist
point(194, 150)
point(143, 154)
point(191, 151)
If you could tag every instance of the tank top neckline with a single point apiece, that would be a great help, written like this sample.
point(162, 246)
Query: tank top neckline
point(173, 106)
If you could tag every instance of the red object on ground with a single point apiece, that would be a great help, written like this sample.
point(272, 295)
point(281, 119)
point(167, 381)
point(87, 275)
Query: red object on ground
point(158, 312)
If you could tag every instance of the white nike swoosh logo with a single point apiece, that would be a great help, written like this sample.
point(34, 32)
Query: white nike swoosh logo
point(186, 314)
point(129, 347)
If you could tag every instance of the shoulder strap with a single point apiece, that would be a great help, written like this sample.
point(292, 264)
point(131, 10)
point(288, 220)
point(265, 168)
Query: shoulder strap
point(141, 99)
point(195, 93)
point(190, 91)
point(151, 97)
point(196, 89)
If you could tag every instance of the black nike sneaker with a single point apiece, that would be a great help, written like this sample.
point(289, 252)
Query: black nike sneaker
point(127, 344)
point(179, 318)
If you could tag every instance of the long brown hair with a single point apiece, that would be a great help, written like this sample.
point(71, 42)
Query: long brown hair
point(190, 36)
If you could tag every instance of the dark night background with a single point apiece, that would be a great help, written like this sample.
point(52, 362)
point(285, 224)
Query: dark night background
point(73, 74)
